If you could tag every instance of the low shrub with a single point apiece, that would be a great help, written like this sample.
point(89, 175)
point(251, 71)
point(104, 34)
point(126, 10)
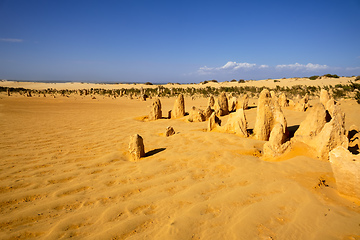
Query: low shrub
point(331, 76)
point(314, 77)
point(357, 97)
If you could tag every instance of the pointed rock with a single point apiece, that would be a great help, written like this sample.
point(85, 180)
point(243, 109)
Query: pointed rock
point(155, 112)
point(214, 122)
point(313, 123)
point(136, 147)
point(221, 105)
point(207, 112)
point(232, 104)
point(332, 135)
point(243, 102)
point(211, 102)
point(236, 123)
point(283, 101)
point(264, 117)
point(179, 107)
point(324, 96)
point(196, 115)
point(302, 105)
point(276, 144)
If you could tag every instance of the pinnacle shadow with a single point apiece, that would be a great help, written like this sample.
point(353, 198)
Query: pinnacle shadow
point(154, 151)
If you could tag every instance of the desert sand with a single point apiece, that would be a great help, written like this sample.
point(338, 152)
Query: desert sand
point(271, 83)
point(66, 172)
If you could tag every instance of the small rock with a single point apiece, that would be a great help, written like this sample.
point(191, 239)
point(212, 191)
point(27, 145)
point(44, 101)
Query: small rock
point(169, 131)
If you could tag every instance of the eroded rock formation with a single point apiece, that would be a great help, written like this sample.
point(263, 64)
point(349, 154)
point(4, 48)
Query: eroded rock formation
point(268, 114)
point(346, 168)
point(276, 144)
point(155, 112)
point(196, 115)
point(221, 105)
point(136, 147)
point(179, 107)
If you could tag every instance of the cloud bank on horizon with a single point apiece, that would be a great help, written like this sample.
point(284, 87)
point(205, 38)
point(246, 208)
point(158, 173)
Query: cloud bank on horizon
point(243, 69)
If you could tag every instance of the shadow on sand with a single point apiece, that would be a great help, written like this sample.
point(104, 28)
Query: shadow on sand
point(154, 151)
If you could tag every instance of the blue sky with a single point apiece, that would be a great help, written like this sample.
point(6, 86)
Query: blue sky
point(177, 41)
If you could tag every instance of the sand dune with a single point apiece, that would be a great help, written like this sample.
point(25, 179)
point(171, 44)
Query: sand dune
point(271, 83)
point(65, 172)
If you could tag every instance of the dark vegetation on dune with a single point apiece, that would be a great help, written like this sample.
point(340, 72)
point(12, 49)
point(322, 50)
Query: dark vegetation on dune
point(351, 90)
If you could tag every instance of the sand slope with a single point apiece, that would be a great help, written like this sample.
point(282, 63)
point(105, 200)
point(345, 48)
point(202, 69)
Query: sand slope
point(65, 172)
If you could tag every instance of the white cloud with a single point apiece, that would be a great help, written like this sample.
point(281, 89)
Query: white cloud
point(235, 65)
point(254, 71)
point(228, 67)
point(298, 66)
point(10, 40)
point(352, 68)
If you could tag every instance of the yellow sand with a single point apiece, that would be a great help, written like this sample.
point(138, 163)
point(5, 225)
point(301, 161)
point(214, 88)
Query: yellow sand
point(271, 83)
point(65, 172)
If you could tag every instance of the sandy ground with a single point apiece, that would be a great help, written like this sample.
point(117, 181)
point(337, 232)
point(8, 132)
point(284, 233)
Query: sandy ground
point(271, 83)
point(65, 172)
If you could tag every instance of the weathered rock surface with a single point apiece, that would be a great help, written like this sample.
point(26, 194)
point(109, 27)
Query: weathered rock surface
point(321, 131)
point(346, 168)
point(313, 123)
point(330, 106)
point(196, 115)
point(214, 122)
point(236, 123)
point(264, 116)
point(232, 104)
point(302, 104)
point(211, 102)
point(268, 114)
point(169, 131)
point(155, 112)
point(332, 135)
point(243, 102)
point(276, 144)
point(354, 139)
point(221, 105)
point(136, 147)
point(179, 107)
point(324, 96)
point(207, 112)
point(283, 101)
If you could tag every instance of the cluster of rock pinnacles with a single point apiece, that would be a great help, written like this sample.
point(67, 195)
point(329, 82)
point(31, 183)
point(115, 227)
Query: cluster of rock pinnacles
point(323, 130)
